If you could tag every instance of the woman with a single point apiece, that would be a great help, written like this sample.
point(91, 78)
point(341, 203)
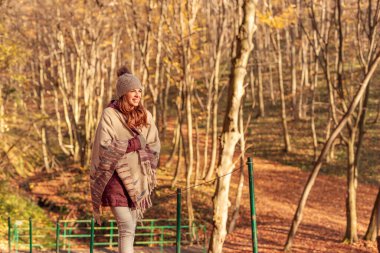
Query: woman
point(124, 158)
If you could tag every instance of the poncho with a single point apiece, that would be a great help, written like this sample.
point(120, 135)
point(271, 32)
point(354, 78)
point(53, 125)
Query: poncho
point(137, 170)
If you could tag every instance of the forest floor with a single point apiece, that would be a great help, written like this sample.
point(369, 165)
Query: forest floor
point(278, 189)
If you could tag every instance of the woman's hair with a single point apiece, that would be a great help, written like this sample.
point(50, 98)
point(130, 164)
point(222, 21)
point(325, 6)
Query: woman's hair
point(136, 116)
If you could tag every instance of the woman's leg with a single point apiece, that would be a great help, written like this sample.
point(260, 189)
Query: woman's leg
point(126, 223)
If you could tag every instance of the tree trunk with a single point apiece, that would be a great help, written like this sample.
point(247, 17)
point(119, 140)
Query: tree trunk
point(176, 141)
point(259, 74)
point(178, 166)
point(239, 192)
point(351, 212)
point(273, 100)
point(186, 27)
point(312, 110)
point(39, 75)
point(370, 235)
point(293, 67)
point(43, 132)
point(252, 85)
point(197, 152)
point(215, 100)
point(208, 116)
point(155, 89)
point(230, 135)
point(189, 166)
point(214, 148)
point(58, 125)
point(286, 136)
point(181, 144)
point(115, 49)
point(305, 79)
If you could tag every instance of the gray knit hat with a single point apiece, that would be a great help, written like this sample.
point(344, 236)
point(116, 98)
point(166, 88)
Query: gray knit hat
point(126, 82)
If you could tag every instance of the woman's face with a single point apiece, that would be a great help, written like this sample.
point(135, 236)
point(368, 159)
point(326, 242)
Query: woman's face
point(134, 97)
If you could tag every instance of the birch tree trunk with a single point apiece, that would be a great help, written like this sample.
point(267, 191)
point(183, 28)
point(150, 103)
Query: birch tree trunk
point(314, 84)
point(259, 73)
point(213, 90)
point(186, 29)
point(215, 98)
point(230, 134)
point(179, 105)
point(39, 75)
point(175, 142)
point(305, 79)
point(351, 210)
point(239, 192)
point(198, 153)
point(284, 120)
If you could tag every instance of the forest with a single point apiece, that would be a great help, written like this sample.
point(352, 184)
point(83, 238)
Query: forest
point(293, 84)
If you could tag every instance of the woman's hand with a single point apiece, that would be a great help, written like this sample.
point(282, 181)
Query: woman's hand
point(136, 143)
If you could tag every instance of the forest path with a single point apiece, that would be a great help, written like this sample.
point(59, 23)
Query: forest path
point(278, 189)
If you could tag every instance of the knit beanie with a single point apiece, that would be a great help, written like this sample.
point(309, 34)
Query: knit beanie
point(126, 82)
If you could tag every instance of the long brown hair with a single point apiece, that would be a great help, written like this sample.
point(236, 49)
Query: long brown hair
point(136, 117)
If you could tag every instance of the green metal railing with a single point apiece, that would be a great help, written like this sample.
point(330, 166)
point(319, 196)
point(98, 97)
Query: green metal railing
point(74, 234)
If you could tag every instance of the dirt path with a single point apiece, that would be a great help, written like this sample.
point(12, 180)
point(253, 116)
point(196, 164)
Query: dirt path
point(278, 189)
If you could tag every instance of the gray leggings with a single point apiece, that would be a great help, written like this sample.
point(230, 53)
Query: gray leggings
point(126, 223)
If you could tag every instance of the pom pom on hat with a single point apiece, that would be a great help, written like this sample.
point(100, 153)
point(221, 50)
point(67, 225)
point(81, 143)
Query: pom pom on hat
point(123, 70)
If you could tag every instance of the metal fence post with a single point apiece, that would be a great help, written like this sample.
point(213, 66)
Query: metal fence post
point(64, 234)
point(178, 239)
point(9, 235)
point(92, 235)
point(162, 240)
point(57, 232)
point(111, 235)
point(252, 202)
point(151, 231)
point(30, 235)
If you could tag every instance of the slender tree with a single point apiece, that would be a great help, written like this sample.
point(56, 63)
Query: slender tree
point(230, 134)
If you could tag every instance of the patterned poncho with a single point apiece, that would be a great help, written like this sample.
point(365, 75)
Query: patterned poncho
point(137, 170)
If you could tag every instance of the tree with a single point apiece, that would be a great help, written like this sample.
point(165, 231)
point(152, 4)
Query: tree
point(230, 133)
point(374, 222)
